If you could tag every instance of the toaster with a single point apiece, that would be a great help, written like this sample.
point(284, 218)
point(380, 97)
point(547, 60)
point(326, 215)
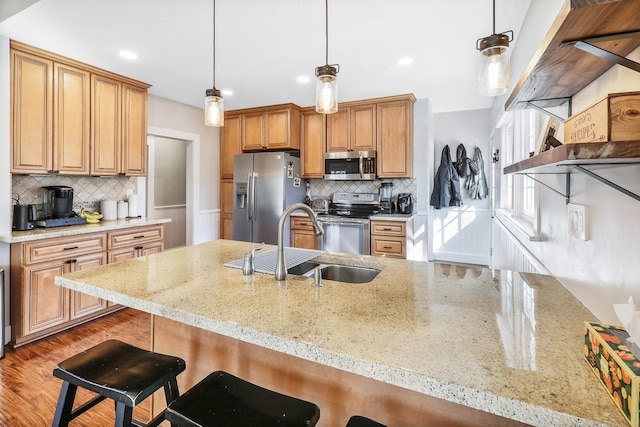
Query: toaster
point(321, 205)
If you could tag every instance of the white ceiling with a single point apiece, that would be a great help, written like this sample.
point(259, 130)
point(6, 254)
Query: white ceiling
point(263, 45)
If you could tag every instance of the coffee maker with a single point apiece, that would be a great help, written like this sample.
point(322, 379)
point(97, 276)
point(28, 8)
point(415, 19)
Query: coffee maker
point(386, 197)
point(57, 204)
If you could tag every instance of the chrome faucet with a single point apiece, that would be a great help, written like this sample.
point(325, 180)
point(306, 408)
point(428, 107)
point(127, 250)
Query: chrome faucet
point(281, 269)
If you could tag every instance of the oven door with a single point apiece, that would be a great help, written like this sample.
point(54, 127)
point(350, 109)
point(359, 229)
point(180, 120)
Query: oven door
point(346, 235)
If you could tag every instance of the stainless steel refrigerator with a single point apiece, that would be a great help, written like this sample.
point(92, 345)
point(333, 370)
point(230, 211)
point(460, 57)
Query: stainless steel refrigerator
point(264, 184)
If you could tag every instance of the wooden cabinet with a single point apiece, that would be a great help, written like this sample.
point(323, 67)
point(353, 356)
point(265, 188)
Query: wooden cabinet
point(226, 202)
point(302, 235)
point(70, 118)
point(395, 138)
point(391, 238)
point(270, 128)
point(230, 145)
point(313, 144)
point(133, 243)
point(352, 128)
point(38, 306)
point(50, 116)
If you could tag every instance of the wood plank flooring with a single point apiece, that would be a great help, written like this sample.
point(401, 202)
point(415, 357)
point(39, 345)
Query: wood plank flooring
point(28, 389)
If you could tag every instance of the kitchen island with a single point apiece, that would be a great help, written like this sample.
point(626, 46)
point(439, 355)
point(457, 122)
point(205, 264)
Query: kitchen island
point(422, 344)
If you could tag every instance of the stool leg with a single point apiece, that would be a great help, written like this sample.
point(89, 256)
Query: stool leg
point(171, 393)
point(124, 415)
point(65, 405)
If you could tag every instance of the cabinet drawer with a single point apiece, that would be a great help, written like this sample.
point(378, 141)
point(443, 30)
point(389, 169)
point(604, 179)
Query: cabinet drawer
point(389, 246)
point(51, 249)
point(389, 228)
point(135, 236)
point(301, 223)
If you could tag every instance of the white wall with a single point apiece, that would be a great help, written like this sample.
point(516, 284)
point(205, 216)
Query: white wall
point(180, 119)
point(462, 234)
point(605, 269)
point(5, 162)
point(422, 172)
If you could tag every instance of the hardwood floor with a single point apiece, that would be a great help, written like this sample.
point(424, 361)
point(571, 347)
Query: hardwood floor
point(28, 389)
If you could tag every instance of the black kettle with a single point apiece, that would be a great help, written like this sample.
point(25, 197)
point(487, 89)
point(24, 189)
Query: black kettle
point(405, 203)
point(24, 217)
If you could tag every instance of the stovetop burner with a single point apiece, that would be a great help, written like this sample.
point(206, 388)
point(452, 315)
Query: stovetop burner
point(355, 205)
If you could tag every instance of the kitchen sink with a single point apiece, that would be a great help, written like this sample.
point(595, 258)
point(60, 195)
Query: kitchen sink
point(339, 273)
point(348, 273)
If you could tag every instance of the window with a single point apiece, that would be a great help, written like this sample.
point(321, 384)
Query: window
point(519, 133)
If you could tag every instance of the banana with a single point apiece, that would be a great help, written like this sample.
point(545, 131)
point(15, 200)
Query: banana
point(91, 217)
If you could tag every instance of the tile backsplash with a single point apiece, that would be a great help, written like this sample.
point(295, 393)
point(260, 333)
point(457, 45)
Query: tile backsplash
point(325, 188)
point(88, 191)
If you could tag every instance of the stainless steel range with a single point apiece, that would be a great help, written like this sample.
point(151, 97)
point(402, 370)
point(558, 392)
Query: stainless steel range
point(347, 226)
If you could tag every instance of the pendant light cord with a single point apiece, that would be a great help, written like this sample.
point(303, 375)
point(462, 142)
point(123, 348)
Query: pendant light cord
point(214, 44)
point(326, 30)
point(494, 16)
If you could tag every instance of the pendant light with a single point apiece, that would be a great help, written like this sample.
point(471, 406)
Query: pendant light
point(213, 102)
point(327, 83)
point(493, 62)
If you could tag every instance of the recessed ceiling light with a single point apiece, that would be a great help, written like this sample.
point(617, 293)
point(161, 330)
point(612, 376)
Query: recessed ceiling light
point(303, 79)
point(405, 61)
point(227, 92)
point(128, 54)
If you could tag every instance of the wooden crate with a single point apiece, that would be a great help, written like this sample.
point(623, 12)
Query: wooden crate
point(614, 118)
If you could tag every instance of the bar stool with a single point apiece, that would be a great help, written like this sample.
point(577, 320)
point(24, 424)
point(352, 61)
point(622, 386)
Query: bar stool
point(222, 399)
point(118, 371)
point(360, 421)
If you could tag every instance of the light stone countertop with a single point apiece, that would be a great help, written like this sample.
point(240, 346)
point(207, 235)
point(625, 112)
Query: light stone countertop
point(392, 217)
point(102, 226)
point(506, 343)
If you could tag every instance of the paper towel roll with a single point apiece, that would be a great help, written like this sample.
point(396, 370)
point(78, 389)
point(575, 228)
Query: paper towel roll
point(123, 209)
point(109, 208)
point(133, 205)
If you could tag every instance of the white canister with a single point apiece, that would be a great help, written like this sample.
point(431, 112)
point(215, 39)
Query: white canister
point(109, 208)
point(123, 209)
point(133, 206)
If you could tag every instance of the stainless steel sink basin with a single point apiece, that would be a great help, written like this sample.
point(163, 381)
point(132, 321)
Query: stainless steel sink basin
point(303, 269)
point(348, 273)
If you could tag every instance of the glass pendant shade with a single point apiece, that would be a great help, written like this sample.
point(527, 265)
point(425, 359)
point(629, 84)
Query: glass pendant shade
point(213, 108)
point(326, 90)
point(493, 71)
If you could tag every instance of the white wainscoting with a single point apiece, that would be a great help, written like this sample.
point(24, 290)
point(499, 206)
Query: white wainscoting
point(461, 235)
point(208, 226)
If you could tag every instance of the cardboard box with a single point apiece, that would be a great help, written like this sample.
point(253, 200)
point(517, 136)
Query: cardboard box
point(615, 118)
point(615, 366)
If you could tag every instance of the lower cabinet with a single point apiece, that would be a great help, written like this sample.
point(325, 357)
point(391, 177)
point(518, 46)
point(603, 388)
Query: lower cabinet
point(38, 306)
point(302, 235)
point(391, 238)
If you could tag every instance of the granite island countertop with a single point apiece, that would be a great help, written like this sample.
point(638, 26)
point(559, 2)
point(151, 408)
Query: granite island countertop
point(102, 226)
point(506, 343)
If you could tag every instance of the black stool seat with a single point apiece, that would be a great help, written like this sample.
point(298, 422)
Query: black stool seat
point(359, 421)
point(118, 371)
point(222, 399)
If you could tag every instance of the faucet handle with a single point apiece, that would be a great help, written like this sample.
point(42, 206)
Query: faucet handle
point(248, 266)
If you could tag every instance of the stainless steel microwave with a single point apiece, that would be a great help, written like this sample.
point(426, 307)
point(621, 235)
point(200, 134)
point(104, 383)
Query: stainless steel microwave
point(350, 165)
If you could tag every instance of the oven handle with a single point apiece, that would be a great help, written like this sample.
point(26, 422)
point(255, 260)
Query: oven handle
point(343, 221)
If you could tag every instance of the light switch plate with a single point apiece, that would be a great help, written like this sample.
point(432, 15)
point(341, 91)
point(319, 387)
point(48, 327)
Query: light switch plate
point(577, 215)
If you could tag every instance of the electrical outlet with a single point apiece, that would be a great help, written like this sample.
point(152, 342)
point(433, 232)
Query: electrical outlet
point(577, 220)
point(129, 192)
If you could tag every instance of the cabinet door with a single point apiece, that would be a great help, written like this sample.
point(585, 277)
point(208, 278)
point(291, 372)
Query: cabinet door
point(32, 113)
point(230, 145)
point(106, 134)
point(338, 130)
point(252, 131)
point(277, 129)
point(313, 144)
point(304, 239)
point(121, 254)
point(363, 128)
point(134, 131)
point(226, 202)
point(150, 248)
point(45, 304)
point(81, 303)
point(71, 120)
point(395, 140)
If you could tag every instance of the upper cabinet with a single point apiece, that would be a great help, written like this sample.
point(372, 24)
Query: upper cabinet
point(73, 119)
point(270, 128)
point(352, 128)
point(313, 143)
point(558, 69)
point(395, 137)
point(230, 144)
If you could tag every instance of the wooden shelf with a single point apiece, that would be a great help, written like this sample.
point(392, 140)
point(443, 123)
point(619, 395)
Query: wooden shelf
point(556, 73)
point(559, 159)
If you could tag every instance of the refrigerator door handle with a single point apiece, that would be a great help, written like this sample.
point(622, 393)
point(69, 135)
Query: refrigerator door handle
point(252, 196)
